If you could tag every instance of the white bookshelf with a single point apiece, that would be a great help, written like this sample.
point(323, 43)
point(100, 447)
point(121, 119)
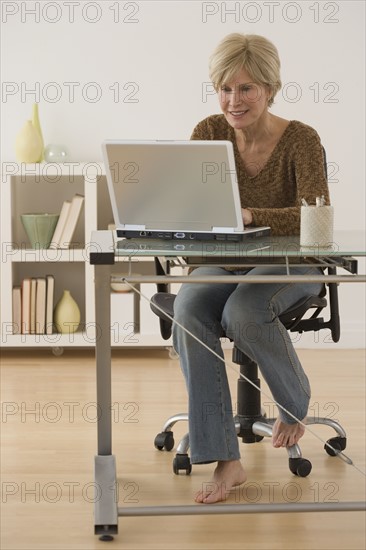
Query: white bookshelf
point(34, 188)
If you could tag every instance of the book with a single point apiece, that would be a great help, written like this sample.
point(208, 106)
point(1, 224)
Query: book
point(41, 306)
point(56, 238)
point(49, 303)
point(17, 310)
point(71, 221)
point(33, 306)
point(26, 306)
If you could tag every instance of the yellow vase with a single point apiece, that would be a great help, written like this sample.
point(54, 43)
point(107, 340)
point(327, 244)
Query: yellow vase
point(67, 314)
point(28, 144)
point(37, 125)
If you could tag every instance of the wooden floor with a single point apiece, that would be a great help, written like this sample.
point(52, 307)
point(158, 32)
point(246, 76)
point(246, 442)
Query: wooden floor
point(48, 442)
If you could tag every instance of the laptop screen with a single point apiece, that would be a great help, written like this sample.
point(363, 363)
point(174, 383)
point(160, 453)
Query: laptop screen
point(173, 185)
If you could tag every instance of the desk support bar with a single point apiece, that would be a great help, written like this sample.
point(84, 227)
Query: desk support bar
point(271, 508)
point(213, 279)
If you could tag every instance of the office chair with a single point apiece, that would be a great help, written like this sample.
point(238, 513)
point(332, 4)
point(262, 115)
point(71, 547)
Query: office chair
point(251, 423)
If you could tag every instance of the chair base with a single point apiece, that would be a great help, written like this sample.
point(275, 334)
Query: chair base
point(260, 428)
point(251, 424)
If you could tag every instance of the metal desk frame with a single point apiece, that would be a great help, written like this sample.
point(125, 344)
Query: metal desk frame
point(103, 255)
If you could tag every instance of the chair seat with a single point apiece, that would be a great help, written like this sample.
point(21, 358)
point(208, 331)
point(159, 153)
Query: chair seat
point(298, 310)
point(162, 304)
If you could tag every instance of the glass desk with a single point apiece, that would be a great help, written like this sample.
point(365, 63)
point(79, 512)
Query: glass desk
point(105, 251)
point(345, 243)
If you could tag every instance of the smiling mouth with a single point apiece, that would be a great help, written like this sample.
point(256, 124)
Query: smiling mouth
point(237, 114)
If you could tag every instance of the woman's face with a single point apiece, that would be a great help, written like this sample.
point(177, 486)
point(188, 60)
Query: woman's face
point(242, 101)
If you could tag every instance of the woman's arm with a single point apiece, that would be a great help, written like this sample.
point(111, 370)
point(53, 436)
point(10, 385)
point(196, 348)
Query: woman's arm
point(308, 166)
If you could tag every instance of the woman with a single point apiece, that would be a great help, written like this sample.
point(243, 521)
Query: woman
point(278, 162)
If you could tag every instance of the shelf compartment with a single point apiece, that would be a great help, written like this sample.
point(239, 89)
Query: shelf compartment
point(67, 277)
point(38, 195)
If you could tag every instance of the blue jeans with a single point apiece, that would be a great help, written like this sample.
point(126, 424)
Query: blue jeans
point(248, 314)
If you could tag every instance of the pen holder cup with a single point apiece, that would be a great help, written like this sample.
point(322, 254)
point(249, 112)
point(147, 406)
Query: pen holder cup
point(316, 228)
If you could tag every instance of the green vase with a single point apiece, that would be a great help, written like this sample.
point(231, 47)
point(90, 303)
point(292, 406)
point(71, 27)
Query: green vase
point(39, 228)
point(37, 126)
point(66, 314)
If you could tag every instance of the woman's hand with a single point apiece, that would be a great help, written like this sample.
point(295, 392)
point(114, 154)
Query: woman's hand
point(247, 216)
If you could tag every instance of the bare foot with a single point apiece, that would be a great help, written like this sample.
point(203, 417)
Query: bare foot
point(227, 475)
point(286, 435)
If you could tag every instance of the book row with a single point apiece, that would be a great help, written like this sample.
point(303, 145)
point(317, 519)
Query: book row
point(33, 306)
point(66, 225)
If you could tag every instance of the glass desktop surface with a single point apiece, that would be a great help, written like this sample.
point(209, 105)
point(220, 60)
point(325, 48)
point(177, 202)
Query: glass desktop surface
point(345, 243)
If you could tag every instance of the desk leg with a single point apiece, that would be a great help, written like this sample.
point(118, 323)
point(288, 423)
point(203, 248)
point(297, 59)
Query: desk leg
point(106, 494)
point(103, 357)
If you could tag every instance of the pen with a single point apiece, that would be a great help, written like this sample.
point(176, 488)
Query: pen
point(320, 201)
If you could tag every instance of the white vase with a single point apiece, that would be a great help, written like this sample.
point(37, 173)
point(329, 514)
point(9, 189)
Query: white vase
point(28, 144)
point(67, 314)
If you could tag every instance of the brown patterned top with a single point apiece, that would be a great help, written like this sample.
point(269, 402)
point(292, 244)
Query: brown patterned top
point(294, 170)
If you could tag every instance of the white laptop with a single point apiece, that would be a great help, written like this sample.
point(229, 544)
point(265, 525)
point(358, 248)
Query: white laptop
point(175, 190)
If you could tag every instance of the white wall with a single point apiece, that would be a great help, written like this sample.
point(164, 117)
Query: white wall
point(139, 70)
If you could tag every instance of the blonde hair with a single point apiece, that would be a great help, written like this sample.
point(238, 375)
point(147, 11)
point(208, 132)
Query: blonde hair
point(251, 52)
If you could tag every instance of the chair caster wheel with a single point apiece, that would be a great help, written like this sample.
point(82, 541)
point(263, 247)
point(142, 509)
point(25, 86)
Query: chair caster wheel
point(300, 466)
point(338, 444)
point(182, 462)
point(164, 440)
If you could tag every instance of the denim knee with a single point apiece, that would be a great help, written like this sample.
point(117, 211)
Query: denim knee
point(242, 323)
point(205, 328)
